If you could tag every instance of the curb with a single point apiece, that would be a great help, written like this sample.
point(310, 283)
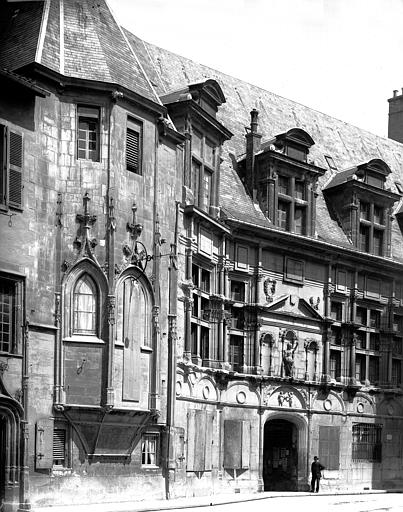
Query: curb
point(201, 502)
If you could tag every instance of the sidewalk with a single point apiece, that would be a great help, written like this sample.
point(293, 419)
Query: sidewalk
point(199, 502)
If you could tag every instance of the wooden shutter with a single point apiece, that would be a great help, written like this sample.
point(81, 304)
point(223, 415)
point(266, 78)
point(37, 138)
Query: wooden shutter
point(200, 440)
point(236, 444)
point(44, 444)
point(133, 147)
point(131, 340)
point(245, 449)
point(15, 170)
point(329, 446)
point(3, 163)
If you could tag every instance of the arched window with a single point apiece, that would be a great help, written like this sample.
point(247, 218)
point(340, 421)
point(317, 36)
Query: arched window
point(85, 306)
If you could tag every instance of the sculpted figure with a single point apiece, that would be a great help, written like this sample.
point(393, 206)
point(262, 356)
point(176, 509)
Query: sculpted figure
point(288, 359)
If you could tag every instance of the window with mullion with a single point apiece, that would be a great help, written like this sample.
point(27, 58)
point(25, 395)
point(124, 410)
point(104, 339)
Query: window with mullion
point(364, 238)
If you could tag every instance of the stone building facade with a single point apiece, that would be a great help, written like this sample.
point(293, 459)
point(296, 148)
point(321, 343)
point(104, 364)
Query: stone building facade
point(186, 308)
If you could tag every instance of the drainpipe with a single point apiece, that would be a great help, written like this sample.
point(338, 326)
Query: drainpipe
point(24, 467)
point(172, 337)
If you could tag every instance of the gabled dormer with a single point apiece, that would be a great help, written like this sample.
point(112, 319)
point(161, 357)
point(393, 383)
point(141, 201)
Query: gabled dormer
point(281, 178)
point(193, 110)
point(363, 205)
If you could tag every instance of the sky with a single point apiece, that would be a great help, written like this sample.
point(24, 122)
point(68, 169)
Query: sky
point(341, 57)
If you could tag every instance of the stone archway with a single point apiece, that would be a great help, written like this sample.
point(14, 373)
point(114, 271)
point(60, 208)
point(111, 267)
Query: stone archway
point(280, 456)
point(284, 457)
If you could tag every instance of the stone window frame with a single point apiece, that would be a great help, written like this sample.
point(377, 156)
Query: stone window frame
point(87, 113)
point(84, 267)
point(16, 285)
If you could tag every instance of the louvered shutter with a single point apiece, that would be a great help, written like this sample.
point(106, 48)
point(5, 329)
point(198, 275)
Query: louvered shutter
point(133, 150)
point(15, 170)
point(59, 444)
point(3, 163)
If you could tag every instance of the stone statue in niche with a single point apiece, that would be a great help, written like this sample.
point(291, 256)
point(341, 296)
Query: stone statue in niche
point(269, 287)
point(288, 358)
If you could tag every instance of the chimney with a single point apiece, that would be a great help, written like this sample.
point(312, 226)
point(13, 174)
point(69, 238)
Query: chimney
point(253, 139)
point(395, 126)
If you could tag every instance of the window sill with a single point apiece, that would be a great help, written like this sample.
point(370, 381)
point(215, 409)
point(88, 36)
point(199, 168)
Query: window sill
point(84, 339)
point(145, 348)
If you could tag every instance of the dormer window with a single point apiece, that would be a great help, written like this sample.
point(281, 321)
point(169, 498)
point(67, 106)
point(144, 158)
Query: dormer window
point(277, 174)
point(362, 205)
point(193, 110)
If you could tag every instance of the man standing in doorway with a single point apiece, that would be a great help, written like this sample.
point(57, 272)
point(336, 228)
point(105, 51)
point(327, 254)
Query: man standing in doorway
point(316, 470)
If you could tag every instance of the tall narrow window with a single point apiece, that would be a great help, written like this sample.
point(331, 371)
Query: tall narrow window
point(85, 306)
point(364, 238)
point(335, 364)
point(206, 196)
point(88, 133)
point(299, 220)
point(283, 214)
point(133, 146)
point(236, 351)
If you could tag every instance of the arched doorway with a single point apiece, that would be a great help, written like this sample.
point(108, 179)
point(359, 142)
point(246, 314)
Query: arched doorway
point(280, 456)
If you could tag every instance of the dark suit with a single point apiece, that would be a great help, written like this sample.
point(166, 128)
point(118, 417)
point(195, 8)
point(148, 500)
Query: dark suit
point(316, 470)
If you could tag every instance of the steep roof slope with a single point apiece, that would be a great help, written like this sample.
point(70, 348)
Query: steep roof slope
point(348, 145)
point(76, 38)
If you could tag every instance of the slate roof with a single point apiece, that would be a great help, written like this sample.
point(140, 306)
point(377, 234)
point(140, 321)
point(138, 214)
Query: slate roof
point(82, 39)
point(348, 145)
point(78, 39)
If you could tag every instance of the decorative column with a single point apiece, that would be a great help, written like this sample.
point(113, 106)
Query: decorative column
point(353, 344)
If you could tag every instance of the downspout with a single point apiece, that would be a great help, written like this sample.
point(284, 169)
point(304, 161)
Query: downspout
point(172, 336)
point(157, 241)
point(24, 467)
